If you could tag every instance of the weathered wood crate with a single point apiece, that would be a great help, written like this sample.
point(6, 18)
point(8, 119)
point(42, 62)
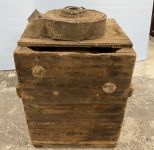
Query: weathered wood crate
point(75, 93)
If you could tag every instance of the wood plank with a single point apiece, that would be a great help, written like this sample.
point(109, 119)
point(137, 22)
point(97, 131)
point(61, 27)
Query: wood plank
point(108, 120)
point(27, 83)
point(114, 37)
point(78, 130)
point(63, 118)
point(71, 109)
point(72, 115)
point(70, 96)
point(94, 144)
point(46, 125)
point(76, 135)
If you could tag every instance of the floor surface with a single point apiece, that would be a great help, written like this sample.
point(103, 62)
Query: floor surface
point(138, 126)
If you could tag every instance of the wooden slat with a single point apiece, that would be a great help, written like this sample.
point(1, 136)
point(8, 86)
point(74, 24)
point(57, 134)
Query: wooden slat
point(70, 109)
point(93, 144)
point(41, 125)
point(75, 134)
point(52, 82)
point(70, 96)
point(114, 37)
point(69, 67)
point(105, 114)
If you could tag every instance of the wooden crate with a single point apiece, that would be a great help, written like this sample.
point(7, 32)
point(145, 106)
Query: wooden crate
point(75, 93)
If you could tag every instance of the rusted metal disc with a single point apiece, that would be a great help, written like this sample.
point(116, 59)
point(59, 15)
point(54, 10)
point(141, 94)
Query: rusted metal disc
point(69, 23)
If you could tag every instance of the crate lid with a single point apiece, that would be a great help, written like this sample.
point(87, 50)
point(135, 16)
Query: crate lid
point(114, 37)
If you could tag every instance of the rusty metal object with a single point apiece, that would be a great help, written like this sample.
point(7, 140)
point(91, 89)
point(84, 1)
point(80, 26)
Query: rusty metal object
point(69, 23)
point(109, 87)
point(38, 72)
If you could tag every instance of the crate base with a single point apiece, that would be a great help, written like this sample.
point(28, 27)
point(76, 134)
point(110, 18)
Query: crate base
point(74, 145)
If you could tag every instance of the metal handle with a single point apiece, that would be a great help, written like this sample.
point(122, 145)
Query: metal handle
point(109, 87)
